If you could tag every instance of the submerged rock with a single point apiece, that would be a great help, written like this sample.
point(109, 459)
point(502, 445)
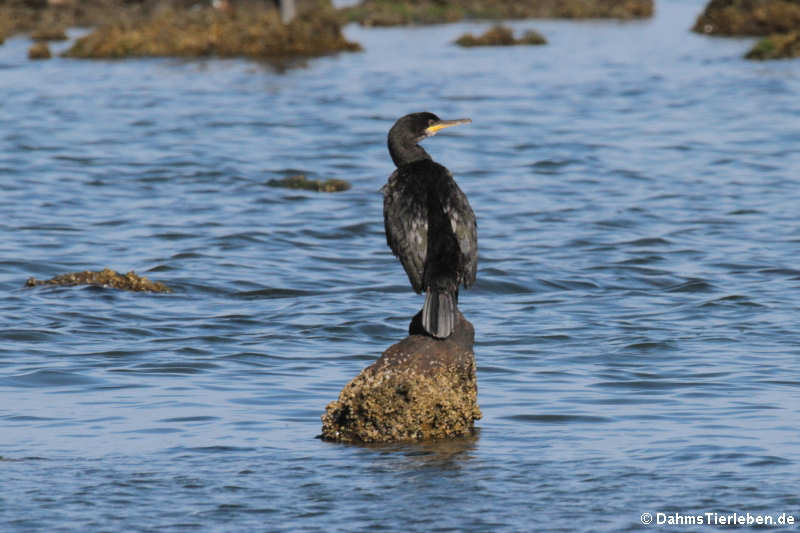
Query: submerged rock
point(250, 30)
point(301, 182)
point(391, 13)
point(104, 278)
point(420, 389)
point(500, 35)
point(39, 50)
point(780, 46)
point(749, 17)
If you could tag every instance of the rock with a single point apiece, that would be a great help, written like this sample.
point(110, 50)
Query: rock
point(391, 13)
point(748, 17)
point(251, 30)
point(780, 46)
point(39, 50)
point(299, 181)
point(104, 278)
point(500, 35)
point(420, 389)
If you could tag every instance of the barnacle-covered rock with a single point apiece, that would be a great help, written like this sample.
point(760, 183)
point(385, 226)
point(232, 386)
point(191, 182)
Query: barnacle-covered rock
point(420, 389)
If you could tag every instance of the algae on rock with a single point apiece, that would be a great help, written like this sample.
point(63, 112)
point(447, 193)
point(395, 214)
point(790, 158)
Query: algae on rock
point(421, 388)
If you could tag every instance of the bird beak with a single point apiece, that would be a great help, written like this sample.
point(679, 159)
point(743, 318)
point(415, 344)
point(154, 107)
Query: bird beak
point(442, 124)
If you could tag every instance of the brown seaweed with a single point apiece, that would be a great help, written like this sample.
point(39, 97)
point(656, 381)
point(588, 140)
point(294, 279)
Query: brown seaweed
point(500, 35)
point(299, 181)
point(104, 278)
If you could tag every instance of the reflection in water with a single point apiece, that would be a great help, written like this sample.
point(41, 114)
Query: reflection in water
point(441, 454)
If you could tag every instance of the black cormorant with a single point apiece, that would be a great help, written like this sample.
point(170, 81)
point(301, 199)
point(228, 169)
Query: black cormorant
point(429, 223)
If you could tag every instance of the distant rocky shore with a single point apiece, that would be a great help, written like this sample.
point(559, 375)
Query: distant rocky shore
point(392, 13)
point(253, 28)
point(179, 28)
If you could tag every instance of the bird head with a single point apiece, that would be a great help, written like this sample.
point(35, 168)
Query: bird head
point(410, 130)
point(419, 126)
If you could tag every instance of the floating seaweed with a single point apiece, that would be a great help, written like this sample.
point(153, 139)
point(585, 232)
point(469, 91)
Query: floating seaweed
point(500, 35)
point(299, 181)
point(104, 278)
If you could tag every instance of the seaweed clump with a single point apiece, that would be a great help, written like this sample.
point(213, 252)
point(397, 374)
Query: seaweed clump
point(299, 181)
point(748, 17)
point(500, 35)
point(39, 50)
point(391, 13)
point(779, 46)
point(104, 278)
point(420, 389)
point(251, 30)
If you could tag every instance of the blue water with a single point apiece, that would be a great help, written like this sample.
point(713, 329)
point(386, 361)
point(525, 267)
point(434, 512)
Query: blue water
point(637, 309)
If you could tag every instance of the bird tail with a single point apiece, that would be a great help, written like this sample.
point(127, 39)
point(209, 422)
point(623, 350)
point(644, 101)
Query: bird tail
point(439, 313)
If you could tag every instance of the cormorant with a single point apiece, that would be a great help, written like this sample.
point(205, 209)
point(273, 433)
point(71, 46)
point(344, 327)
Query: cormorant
point(429, 223)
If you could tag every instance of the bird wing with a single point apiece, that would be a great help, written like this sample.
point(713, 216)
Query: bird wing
point(406, 226)
point(462, 220)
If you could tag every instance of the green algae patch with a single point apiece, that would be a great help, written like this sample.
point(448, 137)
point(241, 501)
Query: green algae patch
point(104, 278)
point(500, 35)
point(393, 13)
point(39, 50)
point(779, 46)
point(301, 182)
point(420, 389)
point(748, 17)
point(247, 31)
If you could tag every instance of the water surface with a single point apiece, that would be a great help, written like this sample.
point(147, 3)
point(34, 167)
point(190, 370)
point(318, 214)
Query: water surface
point(636, 307)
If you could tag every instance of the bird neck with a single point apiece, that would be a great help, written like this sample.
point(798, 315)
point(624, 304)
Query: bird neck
point(407, 152)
